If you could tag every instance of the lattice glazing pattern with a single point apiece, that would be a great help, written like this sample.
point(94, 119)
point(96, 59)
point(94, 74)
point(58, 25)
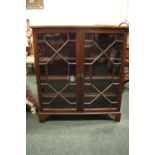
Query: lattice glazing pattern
point(102, 69)
point(57, 61)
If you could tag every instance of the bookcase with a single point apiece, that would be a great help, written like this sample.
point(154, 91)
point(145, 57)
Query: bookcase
point(79, 69)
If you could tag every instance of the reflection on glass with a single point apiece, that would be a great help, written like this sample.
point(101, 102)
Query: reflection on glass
point(102, 68)
point(57, 59)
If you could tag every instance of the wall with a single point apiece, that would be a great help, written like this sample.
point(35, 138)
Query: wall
point(79, 12)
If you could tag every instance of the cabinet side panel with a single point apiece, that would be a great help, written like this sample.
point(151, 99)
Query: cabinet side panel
point(37, 72)
point(125, 34)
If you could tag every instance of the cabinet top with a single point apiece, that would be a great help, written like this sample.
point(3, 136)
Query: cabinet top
point(80, 26)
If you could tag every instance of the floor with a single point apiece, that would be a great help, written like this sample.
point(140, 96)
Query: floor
point(78, 135)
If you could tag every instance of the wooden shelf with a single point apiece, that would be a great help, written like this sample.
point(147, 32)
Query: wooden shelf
point(99, 77)
point(96, 94)
point(72, 95)
point(55, 77)
point(49, 95)
point(46, 59)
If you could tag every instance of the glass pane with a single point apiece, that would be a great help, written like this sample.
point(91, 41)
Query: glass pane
point(45, 52)
point(51, 94)
point(57, 60)
point(56, 40)
point(102, 69)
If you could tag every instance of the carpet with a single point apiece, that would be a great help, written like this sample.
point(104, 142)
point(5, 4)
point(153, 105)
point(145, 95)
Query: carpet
point(78, 135)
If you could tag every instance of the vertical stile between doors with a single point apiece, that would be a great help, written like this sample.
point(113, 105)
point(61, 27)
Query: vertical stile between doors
point(80, 62)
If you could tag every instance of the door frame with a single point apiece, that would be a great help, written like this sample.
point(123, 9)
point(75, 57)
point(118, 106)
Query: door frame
point(82, 55)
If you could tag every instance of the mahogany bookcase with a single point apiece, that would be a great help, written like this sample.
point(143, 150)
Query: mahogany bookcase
point(79, 69)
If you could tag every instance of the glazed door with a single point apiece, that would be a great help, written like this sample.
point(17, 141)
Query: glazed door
point(101, 70)
point(57, 69)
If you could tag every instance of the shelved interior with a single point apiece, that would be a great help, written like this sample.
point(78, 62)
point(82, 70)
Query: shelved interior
point(58, 69)
point(102, 69)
